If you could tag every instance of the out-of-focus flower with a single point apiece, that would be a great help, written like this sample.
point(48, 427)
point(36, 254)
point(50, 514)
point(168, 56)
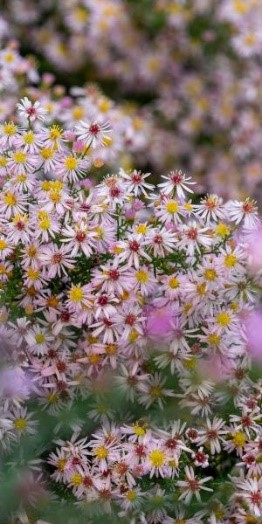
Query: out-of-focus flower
point(253, 325)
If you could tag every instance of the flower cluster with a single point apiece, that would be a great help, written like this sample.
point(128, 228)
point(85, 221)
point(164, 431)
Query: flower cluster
point(198, 77)
point(127, 288)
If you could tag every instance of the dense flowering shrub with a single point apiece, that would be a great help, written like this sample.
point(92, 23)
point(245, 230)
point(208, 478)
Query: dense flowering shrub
point(126, 367)
point(198, 77)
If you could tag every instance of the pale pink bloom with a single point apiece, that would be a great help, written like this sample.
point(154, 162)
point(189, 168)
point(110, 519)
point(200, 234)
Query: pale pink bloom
point(94, 132)
point(56, 260)
point(135, 182)
point(191, 486)
point(177, 184)
point(32, 111)
point(79, 237)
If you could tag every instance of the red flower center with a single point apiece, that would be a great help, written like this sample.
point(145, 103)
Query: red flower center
point(94, 128)
point(113, 274)
point(134, 246)
point(103, 300)
point(80, 236)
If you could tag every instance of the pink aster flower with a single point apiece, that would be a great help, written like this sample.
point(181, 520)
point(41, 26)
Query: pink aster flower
point(30, 110)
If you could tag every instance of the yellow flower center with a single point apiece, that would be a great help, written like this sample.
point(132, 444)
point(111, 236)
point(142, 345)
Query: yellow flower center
point(133, 336)
point(52, 398)
point(20, 423)
point(239, 439)
point(142, 276)
point(44, 221)
point(3, 244)
point(61, 463)
point(173, 283)
point(78, 112)
point(55, 196)
point(71, 163)
point(111, 349)
point(101, 452)
point(230, 260)
point(210, 274)
point(76, 294)
point(47, 153)
point(172, 207)
point(10, 199)
point(9, 128)
point(39, 338)
point(214, 339)
point(142, 229)
point(33, 274)
point(157, 458)
point(19, 157)
point(21, 178)
point(3, 161)
point(76, 479)
point(223, 319)
point(131, 495)
point(201, 289)
point(139, 431)
point(55, 132)
point(32, 251)
point(222, 230)
point(156, 391)
point(240, 6)
point(29, 137)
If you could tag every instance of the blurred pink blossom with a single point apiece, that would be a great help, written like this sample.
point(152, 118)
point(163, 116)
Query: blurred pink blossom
point(255, 250)
point(14, 384)
point(253, 326)
point(159, 322)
